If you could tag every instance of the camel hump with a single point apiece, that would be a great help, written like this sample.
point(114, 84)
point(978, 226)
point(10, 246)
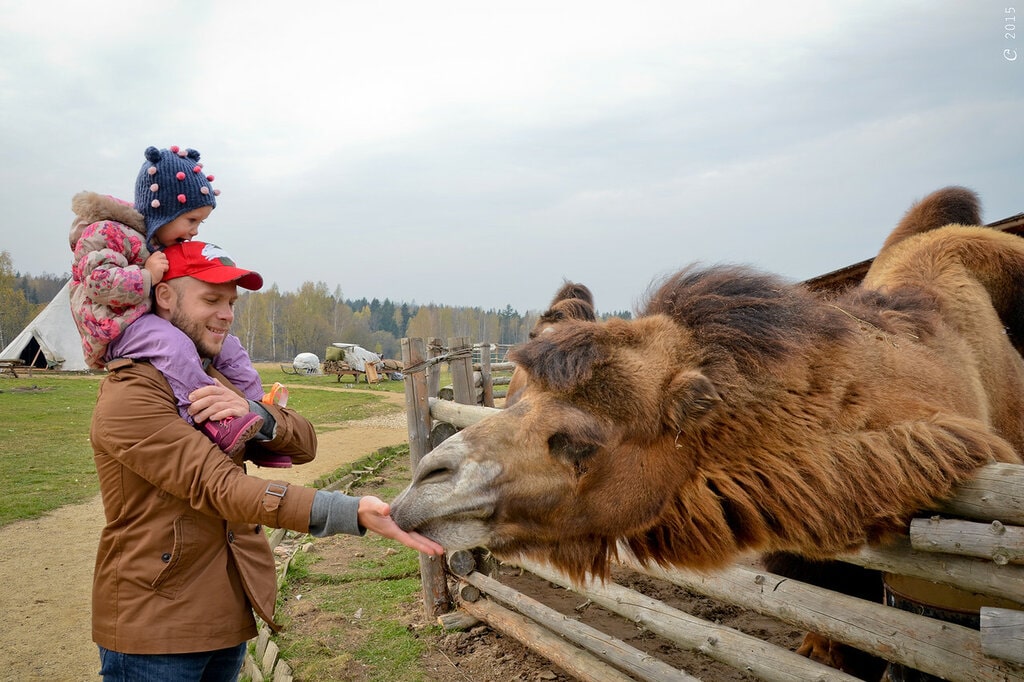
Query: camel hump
point(946, 206)
point(573, 290)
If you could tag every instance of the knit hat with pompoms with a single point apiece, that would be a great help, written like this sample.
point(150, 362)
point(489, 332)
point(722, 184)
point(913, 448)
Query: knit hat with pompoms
point(171, 182)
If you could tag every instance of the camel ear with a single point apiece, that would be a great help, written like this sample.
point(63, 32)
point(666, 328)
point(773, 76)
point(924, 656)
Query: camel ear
point(691, 396)
point(561, 358)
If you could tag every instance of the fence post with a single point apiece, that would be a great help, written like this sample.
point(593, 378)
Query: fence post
point(435, 348)
point(462, 370)
point(436, 598)
point(485, 374)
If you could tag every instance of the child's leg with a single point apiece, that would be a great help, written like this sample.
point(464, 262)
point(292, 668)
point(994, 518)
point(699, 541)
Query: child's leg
point(169, 350)
point(233, 362)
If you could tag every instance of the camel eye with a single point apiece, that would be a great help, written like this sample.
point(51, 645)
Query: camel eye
point(561, 445)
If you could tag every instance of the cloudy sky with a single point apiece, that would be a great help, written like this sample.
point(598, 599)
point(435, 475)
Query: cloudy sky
point(479, 152)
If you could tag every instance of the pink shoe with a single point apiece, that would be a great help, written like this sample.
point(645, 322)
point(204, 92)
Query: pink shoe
point(231, 434)
point(271, 461)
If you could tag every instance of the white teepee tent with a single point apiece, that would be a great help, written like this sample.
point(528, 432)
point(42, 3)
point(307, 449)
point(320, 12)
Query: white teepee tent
point(51, 340)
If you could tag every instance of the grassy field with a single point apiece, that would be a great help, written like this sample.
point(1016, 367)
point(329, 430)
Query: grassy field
point(45, 456)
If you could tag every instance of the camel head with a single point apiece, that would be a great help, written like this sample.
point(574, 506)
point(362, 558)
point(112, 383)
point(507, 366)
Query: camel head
point(589, 455)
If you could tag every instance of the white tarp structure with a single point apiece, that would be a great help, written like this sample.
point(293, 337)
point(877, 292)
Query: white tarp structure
point(357, 356)
point(51, 340)
point(306, 363)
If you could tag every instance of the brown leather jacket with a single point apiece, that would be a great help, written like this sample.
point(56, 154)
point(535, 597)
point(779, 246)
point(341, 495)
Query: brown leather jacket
point(183, 560)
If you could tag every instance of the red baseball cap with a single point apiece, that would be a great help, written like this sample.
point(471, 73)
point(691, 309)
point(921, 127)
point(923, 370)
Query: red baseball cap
point(207, 263)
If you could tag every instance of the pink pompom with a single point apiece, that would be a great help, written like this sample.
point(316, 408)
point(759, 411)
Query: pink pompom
point(154, 187)
point(183, 153)
point(152, 170)
point(216, 192)
point(197, 169)
point(204, 190)
point(180, 175)
point(182, 199)
point(155, 203)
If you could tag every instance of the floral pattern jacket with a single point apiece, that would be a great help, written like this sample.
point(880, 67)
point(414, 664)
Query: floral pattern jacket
point(110, 288)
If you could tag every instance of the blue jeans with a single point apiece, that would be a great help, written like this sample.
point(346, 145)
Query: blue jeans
point(206, 666)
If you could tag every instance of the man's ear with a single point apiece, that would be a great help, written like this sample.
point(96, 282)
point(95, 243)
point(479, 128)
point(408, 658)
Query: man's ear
point(164, 296)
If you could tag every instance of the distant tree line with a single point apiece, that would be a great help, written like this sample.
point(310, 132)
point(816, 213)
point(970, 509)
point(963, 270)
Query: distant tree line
point(276, 326)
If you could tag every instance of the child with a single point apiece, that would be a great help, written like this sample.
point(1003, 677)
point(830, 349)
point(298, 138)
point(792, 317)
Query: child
point(118, 261)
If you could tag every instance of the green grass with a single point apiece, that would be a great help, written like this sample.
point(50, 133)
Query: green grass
point(44, 437)
point(376, 589)
point(45, 456)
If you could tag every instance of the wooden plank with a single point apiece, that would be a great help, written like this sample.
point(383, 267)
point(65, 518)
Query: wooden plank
point(458, 415)
point(949, 651)
point(575, 661)
point(614, 651)
point(969, 573)
point(436, 599)
point(994, 492)
point(995, 541)
point(732, 647)
point(1002, 634)
point(498, 366)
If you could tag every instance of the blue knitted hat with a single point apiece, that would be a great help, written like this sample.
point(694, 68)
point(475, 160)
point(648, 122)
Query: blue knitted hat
point(171, 182)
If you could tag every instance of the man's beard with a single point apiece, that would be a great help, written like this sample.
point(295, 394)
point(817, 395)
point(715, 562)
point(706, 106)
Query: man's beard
point(195, 330)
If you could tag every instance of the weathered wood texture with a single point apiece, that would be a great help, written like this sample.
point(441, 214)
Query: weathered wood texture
point(616, 652)
point(950, 651)
point(729, 646)
point(1002, 634)
point(995, 541)
point(574, 660)
point(436, 599)
point(995, 492)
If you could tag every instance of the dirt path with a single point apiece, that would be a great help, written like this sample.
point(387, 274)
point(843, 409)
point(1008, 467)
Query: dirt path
point(46, 564)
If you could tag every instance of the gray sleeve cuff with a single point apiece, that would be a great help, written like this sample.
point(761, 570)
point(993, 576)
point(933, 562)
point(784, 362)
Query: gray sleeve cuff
point(334, 513)
point(269, 428)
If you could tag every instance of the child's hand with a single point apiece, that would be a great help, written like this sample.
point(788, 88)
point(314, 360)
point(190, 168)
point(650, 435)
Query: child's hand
point(156, 266)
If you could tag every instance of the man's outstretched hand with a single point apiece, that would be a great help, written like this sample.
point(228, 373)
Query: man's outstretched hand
point(375, 514)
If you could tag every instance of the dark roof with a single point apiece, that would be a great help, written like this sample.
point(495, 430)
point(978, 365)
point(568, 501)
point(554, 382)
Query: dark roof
point(851, 275)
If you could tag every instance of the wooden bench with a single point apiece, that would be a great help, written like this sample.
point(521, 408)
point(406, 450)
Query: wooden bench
point(10, 366)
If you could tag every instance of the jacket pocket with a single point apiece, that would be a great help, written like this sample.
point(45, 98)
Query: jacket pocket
point(177, 562)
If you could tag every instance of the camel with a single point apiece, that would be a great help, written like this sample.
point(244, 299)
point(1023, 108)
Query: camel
point(572, 301)
point(741, 413)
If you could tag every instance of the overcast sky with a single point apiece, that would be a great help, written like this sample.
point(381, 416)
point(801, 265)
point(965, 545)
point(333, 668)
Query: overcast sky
point(478, 153)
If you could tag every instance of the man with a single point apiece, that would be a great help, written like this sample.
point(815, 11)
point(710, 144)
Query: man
point(183, 560)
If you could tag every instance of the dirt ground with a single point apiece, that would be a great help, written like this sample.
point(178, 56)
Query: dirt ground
point(46, 569)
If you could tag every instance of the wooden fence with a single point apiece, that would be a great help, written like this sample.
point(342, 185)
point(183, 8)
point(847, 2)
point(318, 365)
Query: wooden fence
point(975, 545)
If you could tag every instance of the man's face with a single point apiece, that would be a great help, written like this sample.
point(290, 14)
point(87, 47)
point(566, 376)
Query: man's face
point(203, 311)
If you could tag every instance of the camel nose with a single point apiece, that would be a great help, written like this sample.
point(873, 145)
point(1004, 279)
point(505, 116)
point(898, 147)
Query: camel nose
point(441, 464)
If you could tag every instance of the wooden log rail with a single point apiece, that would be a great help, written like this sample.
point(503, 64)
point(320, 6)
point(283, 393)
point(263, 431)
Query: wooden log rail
point(974, 541)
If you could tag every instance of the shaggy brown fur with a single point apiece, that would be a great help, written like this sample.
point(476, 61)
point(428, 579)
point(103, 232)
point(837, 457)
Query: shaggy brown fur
point(573, 301)
point(947, 206)
point(740, 412)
